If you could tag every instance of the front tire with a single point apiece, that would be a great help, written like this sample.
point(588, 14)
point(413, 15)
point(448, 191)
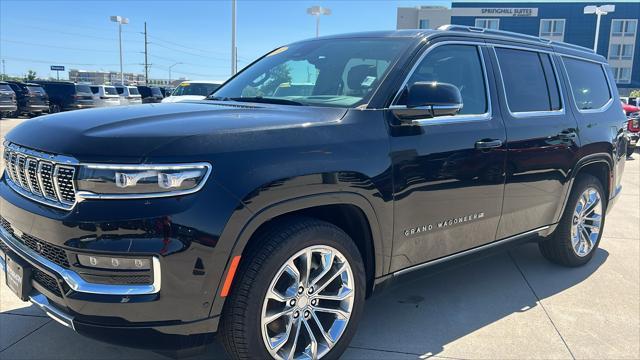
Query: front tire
point(578, 234)
point(302, 278)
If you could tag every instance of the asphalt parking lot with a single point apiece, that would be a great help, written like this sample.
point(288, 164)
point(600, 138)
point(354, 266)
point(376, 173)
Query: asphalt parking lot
point(508, 305)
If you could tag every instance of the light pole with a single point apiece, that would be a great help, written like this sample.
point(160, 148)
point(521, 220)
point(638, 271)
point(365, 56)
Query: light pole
point(234, 53)
point(599, 11)
point(318, 11)
point(178, 63)
point(120, 20)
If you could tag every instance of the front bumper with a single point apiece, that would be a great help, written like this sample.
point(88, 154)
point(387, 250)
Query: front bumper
point(172, 312)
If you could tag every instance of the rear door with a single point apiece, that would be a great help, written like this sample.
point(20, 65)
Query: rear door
point(448, 171)
point(542, 138)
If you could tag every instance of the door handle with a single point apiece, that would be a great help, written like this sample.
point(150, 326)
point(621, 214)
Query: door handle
point(488, 144)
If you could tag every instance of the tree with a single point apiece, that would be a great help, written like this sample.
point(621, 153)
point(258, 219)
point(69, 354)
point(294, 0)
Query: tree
point(31, 75)
point(635, 93)
point(266, 84)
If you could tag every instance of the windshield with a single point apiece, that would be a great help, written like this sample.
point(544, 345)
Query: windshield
point(5, 87)
point(110, 90)
point(335, 72)
point(134, 91)
point(156, 91)
point(191, 88)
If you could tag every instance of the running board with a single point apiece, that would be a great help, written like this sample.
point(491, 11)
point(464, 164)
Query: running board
point(470, 251)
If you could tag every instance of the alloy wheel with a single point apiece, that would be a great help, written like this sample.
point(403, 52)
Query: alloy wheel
point(586, 222)
point(308, 304)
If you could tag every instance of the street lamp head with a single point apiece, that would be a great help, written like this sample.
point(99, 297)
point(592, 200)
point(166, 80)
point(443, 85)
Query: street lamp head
point(318, 10)
point(120, 19)
point(599, 10)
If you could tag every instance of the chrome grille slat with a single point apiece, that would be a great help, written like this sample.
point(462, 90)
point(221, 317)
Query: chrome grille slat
point(45, 178)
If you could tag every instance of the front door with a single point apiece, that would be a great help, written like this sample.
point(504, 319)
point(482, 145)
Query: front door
point(449, 171)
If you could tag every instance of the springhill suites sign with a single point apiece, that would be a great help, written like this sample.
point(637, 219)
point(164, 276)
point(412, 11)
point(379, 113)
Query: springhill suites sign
point(496, 11)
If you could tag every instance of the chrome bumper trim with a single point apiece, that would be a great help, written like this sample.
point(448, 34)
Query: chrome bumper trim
point(56, 314)
point(75, 282)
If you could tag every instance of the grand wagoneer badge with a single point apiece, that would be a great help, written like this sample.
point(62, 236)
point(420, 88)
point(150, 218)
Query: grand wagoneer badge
point(443, 224)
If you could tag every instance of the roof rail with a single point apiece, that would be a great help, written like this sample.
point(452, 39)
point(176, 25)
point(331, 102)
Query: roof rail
point(513, 35)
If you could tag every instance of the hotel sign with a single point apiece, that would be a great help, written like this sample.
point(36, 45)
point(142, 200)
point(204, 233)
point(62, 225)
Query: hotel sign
point(496, 11)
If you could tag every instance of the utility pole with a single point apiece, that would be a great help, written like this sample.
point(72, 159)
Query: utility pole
point(4, 71)
point(146, 64)
point(234, 53)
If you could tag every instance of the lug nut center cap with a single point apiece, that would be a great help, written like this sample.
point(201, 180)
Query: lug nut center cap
point(303, 301)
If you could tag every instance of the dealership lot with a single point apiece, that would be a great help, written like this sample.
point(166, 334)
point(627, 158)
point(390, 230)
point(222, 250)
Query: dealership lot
point(506, 305)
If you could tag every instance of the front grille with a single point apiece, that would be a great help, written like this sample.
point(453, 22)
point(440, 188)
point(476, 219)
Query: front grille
point(46, 281)
point(39, 177)
point(51, 252)
point(4, 247)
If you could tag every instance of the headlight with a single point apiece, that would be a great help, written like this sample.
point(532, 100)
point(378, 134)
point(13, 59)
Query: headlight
point(104, 181)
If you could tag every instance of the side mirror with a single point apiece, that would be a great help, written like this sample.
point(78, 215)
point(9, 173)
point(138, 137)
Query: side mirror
point(430, 99)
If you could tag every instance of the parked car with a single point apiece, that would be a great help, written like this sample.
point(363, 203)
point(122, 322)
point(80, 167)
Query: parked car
point(31, 99)
point(105, 95)
point(270, 219)
point(166, 91)
point(129, 95)
point(192, 90)
point(633, 131)
point(150, 94)
point(8, 104)
point(65, 95)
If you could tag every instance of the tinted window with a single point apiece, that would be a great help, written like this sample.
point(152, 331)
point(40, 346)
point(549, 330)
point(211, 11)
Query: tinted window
point(83, 89)
point(95, 89)
point(156, 91)
point(120, 90)
point(36, 90)
point(529, 80)
point(5, 87)
point(134, 91)
point(144, 91)
point(588, 83)
point(110, 90)
point(459, 65)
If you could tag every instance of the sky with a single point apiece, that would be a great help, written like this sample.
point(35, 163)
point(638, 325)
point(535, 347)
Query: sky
point(196, 34)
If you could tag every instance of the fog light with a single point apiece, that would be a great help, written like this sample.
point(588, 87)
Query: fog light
point(114, 263)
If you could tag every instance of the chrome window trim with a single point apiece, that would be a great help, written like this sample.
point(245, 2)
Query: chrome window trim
point(606, 105)
point(448, 119)
point(77, 283)
point(527, 114)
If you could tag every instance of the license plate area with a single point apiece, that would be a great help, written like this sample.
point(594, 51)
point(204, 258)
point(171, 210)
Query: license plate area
point(18, 276)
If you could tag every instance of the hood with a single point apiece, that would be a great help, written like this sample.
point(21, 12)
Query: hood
point(128, 133)
point(173, 99)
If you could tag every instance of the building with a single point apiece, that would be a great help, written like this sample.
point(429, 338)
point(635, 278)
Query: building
point(110, 78)
point(618, 38)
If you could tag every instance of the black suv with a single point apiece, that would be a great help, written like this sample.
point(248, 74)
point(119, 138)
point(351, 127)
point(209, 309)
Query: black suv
point(150, 94)
point(8, 104)
point(65, 95)
point(270, 219)
point(32, 98)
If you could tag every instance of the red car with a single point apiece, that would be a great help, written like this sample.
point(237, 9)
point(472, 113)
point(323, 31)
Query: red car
point(633, 126)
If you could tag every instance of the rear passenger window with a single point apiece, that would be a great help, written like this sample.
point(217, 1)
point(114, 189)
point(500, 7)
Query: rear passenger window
point(459, 65)
point(529, 81)
point(588, 83)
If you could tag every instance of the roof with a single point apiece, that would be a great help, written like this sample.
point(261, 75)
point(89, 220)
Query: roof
point(471, 31)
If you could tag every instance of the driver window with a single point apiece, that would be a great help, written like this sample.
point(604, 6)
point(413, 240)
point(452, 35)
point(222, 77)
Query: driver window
point(458, 65)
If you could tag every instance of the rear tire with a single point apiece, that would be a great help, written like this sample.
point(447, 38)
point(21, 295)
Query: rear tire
point(578, 233)
point(266, 284)
point(54, 108)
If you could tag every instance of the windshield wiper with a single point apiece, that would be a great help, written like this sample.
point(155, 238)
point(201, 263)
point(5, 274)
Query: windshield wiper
point(258, 99)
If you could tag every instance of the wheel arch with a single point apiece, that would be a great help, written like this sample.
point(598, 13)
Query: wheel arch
point(349, 211)
point(599, 165)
